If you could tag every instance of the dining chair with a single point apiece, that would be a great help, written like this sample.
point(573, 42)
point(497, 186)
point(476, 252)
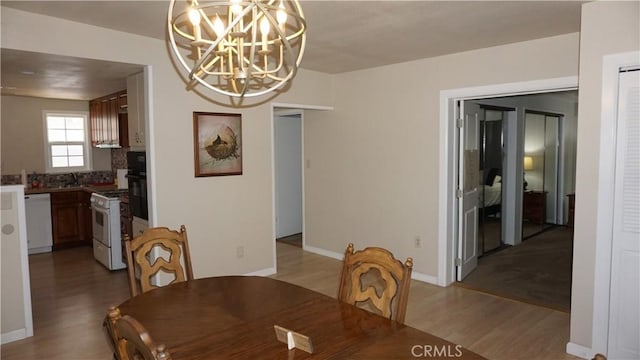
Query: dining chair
point(109, 327)
point(134, 342)
point(373, 279)
point(143, 263)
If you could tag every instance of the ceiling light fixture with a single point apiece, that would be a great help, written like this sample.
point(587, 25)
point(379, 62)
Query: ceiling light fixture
point(238, 48)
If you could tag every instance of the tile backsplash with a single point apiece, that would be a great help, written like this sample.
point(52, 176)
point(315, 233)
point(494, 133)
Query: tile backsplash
point(119, 158)
point(118, 161)
point(57, 180)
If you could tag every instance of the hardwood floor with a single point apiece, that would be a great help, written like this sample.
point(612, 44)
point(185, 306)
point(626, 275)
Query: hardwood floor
point(493, 327)
point(71, 293)
point(538, 271)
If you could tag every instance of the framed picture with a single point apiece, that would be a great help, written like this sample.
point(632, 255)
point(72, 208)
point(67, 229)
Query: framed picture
point(217, 142)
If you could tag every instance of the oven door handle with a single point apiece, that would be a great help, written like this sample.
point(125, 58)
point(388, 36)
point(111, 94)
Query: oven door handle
point(102, 211)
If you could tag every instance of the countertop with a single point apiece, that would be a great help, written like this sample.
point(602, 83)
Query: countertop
point(87, 188)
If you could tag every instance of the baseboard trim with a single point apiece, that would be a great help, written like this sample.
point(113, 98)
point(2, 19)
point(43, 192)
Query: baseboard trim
point(433, 280)
point(264, 272)
point(12, 336)
point(323, 252)
point(334, 255)
point(578, 350)
point(39, 250)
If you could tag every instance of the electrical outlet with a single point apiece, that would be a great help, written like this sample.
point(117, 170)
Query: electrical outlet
point(417, 242)
point(240, 252)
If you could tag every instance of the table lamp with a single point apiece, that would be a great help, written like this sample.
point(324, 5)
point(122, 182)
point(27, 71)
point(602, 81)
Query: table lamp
point(528, 165)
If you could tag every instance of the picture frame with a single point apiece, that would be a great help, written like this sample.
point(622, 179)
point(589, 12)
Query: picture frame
point(217, 139)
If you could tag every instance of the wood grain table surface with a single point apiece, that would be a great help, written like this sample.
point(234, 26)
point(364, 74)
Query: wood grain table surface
point(232, 317)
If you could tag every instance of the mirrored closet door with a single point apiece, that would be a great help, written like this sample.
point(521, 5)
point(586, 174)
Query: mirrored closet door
point(491, 168)
point(541, 164)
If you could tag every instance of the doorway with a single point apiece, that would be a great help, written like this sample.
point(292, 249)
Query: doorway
point(287, 134)
point(505, 128)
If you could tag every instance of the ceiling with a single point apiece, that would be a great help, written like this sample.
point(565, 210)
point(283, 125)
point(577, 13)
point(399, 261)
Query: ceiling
point(342, 36)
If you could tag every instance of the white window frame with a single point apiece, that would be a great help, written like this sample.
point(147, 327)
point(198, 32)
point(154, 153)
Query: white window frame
point(88, 165)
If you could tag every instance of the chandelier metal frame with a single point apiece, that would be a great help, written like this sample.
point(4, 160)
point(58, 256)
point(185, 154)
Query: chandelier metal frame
point(217, 43)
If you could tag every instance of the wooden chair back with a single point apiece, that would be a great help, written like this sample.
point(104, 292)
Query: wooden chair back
point(135, 343)
point(139, 257)
point(373, 277)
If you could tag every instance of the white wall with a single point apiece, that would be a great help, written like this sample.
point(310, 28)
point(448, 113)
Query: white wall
point(220, 213)
point(606, 28)
point(373, 178)
point(22, 129)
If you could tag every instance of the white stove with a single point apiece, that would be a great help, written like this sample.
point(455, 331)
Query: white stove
point(107, 241)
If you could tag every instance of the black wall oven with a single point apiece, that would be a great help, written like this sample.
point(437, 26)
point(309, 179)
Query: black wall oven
point(137, 177)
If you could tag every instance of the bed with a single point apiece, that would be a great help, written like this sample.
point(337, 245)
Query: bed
point(491, 194)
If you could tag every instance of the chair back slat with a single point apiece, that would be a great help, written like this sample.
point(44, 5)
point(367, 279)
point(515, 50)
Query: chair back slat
point(372, 276)
point(140, 259)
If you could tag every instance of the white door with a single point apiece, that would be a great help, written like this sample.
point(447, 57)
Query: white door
point(624, 317)
point(288, 174)
point(468, 180)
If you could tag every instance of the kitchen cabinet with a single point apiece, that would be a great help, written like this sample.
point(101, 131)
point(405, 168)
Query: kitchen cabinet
point(38, 214)
point(136, 110)
point(106, 122)
point(87, 222)
point(71, 219)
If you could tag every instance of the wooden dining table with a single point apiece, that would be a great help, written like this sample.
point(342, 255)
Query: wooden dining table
point(233, 317)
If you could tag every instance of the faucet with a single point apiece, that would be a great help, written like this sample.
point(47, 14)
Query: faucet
point(74, 176)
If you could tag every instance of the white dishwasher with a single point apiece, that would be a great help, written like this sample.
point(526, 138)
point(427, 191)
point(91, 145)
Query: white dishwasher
point(38, 213)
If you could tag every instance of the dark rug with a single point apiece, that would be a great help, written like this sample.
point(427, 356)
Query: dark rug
point(537, 271)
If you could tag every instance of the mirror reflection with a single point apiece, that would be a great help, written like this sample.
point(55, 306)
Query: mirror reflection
point(540, 163)
point(491, 164)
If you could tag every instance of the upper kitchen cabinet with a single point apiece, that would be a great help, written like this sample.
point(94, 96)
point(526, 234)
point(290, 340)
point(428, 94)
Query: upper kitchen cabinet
point(136, 114)
point(109, 121)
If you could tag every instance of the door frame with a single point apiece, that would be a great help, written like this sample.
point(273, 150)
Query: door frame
point(300, 116)
point(447, 184)
point(611, 65)
point(285, 108)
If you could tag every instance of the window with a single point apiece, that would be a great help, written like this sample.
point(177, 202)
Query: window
point(66, 142)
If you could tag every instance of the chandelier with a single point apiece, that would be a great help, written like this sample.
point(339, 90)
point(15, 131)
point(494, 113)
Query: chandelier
point(239, 48)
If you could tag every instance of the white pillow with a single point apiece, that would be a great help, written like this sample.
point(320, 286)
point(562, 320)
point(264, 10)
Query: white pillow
point(497, 180)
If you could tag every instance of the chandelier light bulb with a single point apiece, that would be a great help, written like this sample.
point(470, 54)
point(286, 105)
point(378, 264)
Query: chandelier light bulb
point(264, 26)
point(194, 16)
point(281, 15)
point(236, 8)
point(264, 30)
point(218, 26)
